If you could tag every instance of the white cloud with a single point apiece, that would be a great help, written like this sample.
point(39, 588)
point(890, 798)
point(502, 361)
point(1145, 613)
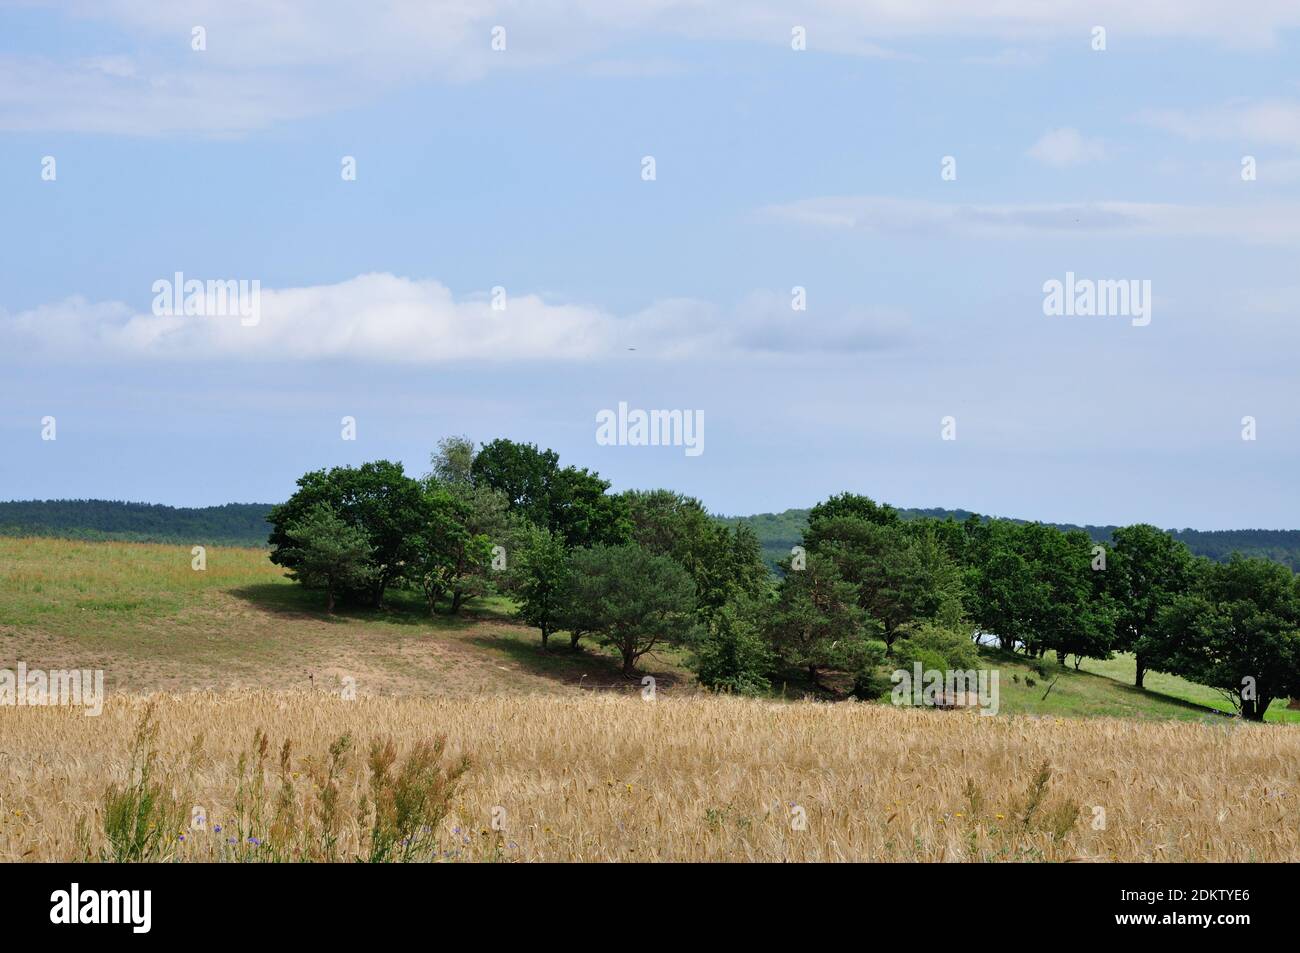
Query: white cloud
point(268, 62)
point(383, 318)
point(114, 95)
point(1271, 223)
point(1066, 147)
point(1271, 122)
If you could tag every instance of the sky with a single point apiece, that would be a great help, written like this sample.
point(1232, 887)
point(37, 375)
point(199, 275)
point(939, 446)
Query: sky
point(505, 263)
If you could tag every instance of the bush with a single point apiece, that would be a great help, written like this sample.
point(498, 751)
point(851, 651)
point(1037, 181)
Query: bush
point(937, 647)
point(139, 817)
point(872, 680)
point(730, 653)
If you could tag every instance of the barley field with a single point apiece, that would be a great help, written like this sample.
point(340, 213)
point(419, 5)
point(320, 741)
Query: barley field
point(597, 777)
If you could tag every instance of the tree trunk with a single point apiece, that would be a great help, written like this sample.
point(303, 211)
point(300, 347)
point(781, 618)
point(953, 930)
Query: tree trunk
point(573, 641)
point(545, 635)
point(1253, 710)
point(1141, 670)
point(629, 665)
point(329, 601)
point(457, 597)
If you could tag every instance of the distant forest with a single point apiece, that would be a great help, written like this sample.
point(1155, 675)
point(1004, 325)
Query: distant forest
point(244, 524)
point(234, 524)
point(779, 531)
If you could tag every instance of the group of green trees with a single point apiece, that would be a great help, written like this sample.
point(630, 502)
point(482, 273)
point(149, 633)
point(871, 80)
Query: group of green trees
point(632, 570)
point(865, 591)
point(875, 586)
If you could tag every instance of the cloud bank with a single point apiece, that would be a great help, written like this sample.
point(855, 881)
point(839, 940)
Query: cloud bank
point(264, 63)
point(384, 318)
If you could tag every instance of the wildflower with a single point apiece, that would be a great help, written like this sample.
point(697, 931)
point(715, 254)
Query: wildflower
point(216, 829)
point(180, 837)
point(255, 842)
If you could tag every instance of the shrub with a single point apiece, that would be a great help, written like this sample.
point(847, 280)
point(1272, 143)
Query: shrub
point(730, 653)
point(139, 817)
point(938, 647)
point(866, 659)
point(408, 807)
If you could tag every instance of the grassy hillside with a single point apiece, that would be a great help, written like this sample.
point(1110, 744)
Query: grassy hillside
point(139, 612)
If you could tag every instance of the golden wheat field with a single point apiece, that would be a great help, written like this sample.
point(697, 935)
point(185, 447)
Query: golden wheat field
point(598, 778)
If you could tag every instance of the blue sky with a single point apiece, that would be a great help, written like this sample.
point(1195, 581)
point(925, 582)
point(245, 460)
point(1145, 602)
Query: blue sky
point(774, 168)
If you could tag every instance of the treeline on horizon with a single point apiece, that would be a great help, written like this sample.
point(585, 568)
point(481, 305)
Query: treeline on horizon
point(780, 531)
point(245, 524)
point(864, 592)
point(232, 524)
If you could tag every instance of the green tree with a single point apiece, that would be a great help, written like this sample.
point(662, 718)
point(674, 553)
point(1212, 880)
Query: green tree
point(1146, 569)
point(377, 498)
point(520, 471)
point(572, 502)
point(632, 599)
point(442, 545)
point(1067, 609)
point(849, 506)
point(730, 654)
point(328, 554)
point(484, 515)
point(1004, 595)
point(724, 562)
point(1084, 618)
point(582, 512)
point(541, 580)
point(453, 461)
point(816, 618)
point(1238, 632)
point(900, 576)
